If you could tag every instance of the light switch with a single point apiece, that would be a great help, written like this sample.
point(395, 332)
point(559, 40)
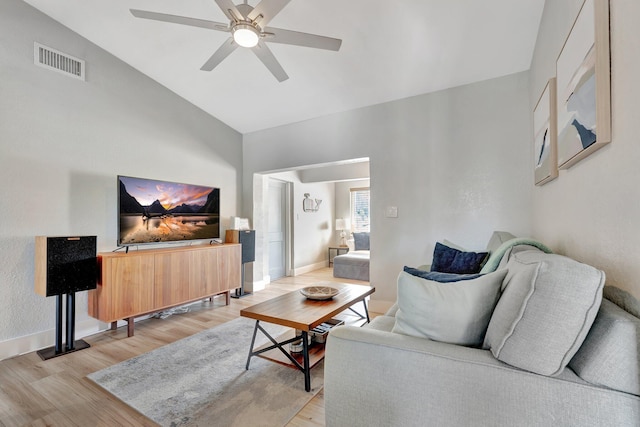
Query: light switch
point(391, 212)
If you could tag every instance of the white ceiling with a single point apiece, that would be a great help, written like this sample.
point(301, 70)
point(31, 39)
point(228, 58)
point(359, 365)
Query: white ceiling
point(390, 50)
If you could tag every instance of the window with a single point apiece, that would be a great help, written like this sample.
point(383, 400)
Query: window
point(360, 209)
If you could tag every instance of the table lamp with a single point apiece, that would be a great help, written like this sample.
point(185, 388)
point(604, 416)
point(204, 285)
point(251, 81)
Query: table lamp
point(341, 226)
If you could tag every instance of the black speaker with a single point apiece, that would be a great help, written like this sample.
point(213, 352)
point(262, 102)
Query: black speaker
point(248, 240)
point(65, 265)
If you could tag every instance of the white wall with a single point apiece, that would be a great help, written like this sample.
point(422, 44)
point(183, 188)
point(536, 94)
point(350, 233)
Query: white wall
point(591, 211)
point(62, 143)
point(455, 163)
point(313, 230)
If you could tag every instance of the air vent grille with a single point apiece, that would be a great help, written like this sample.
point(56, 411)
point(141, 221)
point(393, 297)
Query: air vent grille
point(58, 61)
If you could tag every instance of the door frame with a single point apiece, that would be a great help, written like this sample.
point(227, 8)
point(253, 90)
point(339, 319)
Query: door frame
point(288, 237)
point(287, 213)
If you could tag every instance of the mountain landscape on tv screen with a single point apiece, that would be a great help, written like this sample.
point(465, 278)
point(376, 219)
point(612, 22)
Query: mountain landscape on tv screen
point(186, 212)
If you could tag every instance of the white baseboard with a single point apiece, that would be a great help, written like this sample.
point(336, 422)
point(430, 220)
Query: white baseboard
point(258, 285)
point(309, 268)
point(21, 345)
point(378, 306)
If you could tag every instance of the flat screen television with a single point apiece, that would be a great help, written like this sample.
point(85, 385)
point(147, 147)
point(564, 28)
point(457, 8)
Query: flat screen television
point(153, 211)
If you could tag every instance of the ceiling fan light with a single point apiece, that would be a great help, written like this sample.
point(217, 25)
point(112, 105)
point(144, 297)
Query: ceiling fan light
point(245, 35)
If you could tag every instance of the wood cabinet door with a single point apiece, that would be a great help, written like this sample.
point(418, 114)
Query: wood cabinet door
point(171, 278)
point(230, 266)
point(131, 281)
point(204, 274)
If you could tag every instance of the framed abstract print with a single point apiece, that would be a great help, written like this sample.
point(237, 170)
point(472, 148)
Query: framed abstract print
point(583, 86)
point(545, 132)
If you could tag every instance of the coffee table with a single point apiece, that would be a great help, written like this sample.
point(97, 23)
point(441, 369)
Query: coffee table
point(296, 311)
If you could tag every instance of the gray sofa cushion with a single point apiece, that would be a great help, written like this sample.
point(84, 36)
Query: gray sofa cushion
point(497, 239)
point(454, 312)
point(407, 381)
point(545, 312)
point(610, 356)
point(622, 299)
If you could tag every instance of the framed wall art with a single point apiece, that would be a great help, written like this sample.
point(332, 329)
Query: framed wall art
point(545, 132)
point(584, 86)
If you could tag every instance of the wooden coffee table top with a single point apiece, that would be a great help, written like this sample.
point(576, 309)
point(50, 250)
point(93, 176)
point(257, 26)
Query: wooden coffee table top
point(296, 311)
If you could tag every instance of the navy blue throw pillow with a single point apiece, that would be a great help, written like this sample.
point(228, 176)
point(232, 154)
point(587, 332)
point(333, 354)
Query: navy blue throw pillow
point(437, 276)
point(361, 241)
point(450, 260)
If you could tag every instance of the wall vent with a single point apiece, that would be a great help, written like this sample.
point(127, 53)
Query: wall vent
point(58, 61)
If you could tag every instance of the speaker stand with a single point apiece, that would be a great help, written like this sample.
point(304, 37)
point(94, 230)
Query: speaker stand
point(71, 345)
point(240, 292)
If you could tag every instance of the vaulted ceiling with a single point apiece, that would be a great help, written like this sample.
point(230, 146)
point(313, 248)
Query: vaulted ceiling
point(390, 50)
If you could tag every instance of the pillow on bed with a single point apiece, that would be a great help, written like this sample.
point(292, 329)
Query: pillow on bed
point(361, 241)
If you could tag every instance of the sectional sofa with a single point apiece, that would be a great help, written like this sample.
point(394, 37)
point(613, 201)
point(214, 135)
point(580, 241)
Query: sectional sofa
point(558, 349)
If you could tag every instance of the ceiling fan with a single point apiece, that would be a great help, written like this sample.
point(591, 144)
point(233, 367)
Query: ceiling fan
point(248, 29)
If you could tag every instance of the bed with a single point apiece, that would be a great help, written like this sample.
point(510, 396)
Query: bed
point(354, 264)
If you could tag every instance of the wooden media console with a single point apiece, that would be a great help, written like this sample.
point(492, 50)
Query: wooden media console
point(147, 281)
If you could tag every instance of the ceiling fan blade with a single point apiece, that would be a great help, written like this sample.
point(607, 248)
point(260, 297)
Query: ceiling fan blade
point(230, 10)
point(219, 55)
point(182, 20)
point(301, 39)
point(268, 9)
point(266, 56)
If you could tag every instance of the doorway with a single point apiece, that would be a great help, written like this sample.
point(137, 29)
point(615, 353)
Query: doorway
point(275, 219)
point(277, 226)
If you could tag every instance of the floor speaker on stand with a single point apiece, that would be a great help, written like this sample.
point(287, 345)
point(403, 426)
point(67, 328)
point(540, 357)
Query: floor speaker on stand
point(64, 266)
point(247, 238)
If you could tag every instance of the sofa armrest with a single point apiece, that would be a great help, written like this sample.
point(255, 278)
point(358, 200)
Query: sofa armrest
point(375, 377)
point(393, 310)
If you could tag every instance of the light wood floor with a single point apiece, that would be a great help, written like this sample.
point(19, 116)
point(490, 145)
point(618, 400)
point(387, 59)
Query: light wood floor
point(55, 392)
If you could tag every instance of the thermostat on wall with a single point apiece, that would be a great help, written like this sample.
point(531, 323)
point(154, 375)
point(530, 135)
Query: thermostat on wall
point(391, 212)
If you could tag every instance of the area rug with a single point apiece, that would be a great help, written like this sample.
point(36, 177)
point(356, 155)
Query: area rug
point(201, 380)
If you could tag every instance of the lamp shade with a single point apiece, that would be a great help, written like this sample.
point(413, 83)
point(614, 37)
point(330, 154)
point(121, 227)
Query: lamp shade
point(342, 224)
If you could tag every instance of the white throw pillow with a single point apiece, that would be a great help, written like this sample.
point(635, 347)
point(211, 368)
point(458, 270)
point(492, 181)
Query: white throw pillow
point(454, 312)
